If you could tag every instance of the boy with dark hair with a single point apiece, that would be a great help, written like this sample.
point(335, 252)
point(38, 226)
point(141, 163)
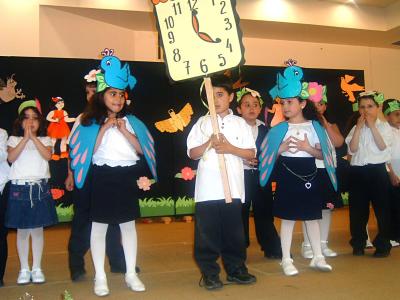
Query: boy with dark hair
point(218, 225)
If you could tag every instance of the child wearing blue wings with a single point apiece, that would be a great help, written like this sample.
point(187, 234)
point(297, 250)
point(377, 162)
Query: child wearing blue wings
point(290, 149)
point(109, 141)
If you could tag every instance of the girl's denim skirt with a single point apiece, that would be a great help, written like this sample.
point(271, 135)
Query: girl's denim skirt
point(30, 205)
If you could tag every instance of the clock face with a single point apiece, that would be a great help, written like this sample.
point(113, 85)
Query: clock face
point(199, 37)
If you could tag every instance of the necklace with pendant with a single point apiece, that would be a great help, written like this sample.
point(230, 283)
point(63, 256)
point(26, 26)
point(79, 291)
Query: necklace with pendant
point(306, 178)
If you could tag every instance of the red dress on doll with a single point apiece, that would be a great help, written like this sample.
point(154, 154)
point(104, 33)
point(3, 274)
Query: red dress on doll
point(60, 129)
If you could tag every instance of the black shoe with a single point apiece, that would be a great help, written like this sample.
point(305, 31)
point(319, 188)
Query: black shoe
point(78, 275)
point(242, 277)
point(381, 254)
point(211, 282)
point(358, 252)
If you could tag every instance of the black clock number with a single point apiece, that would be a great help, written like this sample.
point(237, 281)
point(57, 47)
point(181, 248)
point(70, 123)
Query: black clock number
point(223, 4)
point(177, 55)
point(177, 8)
point(171, 37)
point(228, 24)
point(187, 66)
point(169, 22)
point(194, 4)
point(203, 66)
point(213, 2)
point(223, 63)
point(229, 45)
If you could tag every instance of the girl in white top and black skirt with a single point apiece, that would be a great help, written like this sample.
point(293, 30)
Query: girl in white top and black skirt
point(369, 146)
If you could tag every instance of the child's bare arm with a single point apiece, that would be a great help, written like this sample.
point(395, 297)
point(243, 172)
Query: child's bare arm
point(45, 151)
point(197, 152)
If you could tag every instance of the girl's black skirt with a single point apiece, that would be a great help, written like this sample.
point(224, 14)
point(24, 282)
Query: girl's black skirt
point(293, 200)
point(327, 192)
point(114, 197)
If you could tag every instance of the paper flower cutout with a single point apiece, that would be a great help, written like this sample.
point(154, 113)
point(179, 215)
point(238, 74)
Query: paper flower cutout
point(57, 193)
point(330, 205)
point(314, 92)
point(186, 174)
point(144, 183)
point(91, 76)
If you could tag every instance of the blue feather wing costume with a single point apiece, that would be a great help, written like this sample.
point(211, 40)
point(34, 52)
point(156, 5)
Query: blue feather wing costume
point(84, 139)
point(270, 146)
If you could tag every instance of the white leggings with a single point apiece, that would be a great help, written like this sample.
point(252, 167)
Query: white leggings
point(23, 247)
point(324, 225)
point(312, 228)
point(98, 246)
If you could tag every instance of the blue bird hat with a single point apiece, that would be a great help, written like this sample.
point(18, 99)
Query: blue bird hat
point(289, 85)
point(113, 74)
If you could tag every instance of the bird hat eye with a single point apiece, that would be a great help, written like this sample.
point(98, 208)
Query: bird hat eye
point(296, 73)
point(108, 63)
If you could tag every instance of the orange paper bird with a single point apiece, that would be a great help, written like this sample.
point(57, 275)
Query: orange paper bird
point(348, 88)
point(178, 121)
point(238, 84)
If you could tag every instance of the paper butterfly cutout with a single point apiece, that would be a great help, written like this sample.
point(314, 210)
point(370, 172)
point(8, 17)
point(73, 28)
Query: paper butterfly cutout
point(178, 121)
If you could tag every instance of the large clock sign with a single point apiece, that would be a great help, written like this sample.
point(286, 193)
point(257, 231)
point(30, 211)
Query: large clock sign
point(199, 37)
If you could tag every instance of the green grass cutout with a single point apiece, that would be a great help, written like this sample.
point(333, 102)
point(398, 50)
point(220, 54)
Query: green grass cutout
point(184, 206)
point(161, 206)
point(65, 214)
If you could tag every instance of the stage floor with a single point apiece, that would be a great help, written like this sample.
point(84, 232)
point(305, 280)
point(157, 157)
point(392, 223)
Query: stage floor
point(169, 271)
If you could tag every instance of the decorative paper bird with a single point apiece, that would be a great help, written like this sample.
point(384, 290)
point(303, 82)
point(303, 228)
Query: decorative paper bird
point(349, 89)
point(288, 85)
point(115, 75)
point(178, 121)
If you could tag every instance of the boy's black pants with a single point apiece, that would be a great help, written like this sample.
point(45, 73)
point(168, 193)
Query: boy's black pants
point(260, 199)
point(219, 232)
point(3, 231)
point(369, 184)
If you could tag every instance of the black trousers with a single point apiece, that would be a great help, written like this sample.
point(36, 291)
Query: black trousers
point(3, 231)
point(260, 199)
point(219, 232)
point(395, 213)
point(79, 242)
point(369, 184)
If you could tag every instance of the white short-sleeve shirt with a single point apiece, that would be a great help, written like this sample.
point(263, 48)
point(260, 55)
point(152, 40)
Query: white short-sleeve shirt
point(254, 131)
point(4, 167)
point(208, 178)
point(299, 130)
point(395, 151)
point(368, 152)
point(115, 150)
point(30, 165)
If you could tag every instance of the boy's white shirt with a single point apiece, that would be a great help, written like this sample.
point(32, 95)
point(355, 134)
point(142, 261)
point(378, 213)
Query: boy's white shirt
point(395, 151)
point(208, 177)
point(368, 152)
point(4, 167)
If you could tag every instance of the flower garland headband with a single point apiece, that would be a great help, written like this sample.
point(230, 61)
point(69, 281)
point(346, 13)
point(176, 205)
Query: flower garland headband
point(244, 91)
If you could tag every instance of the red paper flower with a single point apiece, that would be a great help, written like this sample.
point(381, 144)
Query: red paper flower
point(57, 193)
point(187, 173)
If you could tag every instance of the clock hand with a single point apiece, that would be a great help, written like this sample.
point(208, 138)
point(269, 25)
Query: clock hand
point(204, 36)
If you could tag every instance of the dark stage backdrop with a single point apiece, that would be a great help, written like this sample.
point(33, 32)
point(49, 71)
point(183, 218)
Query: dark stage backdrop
point(152, 97)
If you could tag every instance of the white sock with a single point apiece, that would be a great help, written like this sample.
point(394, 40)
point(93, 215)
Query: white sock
point(37, 247)
point(325, 224)
point(305, 235)
point(129, 243)
point(312, 228)
point(286, 237)
point(23, 247)
point(98, 247)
